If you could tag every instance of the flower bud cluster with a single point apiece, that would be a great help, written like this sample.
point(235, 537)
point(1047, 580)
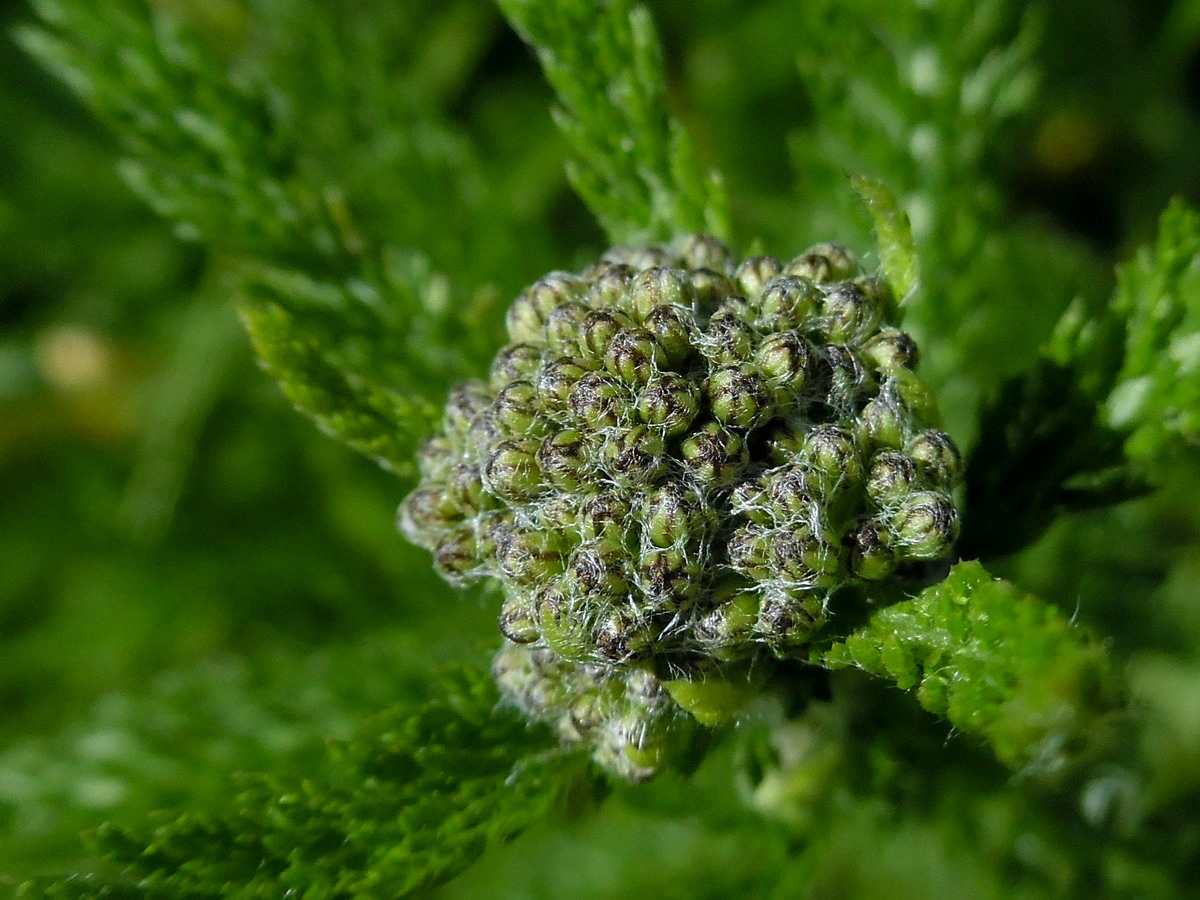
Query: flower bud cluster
point(681, 457)
point(621, 713)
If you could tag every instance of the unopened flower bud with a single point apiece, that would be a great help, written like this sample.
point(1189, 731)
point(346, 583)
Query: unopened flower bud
point(674, 328)
point(528, 314)
point(456, 556)
point(514, 362)
point(728, 339)
point(703, 251)
point(634, 456)
point(634, 356)
point(786, 358)
point(871, 557)
point(658, 287)
point(937, 457)
point(564, 325)
point(511, 471)
point(824, 263)
point(563, 458)
point(674, 515)
point(669, 577)
point(754, 273)
point(890, 350)
point(557, 380)
point(788, 303)
point(518, 620)
point(623, 635)
point(610, 285)
point(710, 288)
point(600, 328)
point(739, 397)
point(924, 525)
point(516, 409)
point(806, 557)
point(529, 557)
point(604, 517)
point(669, 402)
point(832, 457)
point(849, 313)
point(750, 551)
point(466, 401)
point(597, 572)
point(890, 477)
point(787, 618)
point(597, 401)
point(713, 455)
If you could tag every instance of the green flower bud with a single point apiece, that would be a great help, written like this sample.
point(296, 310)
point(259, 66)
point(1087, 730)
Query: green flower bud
point(634, 456)
point(466, 402)
point(563, 458)
point(871, 557)
point(563, 621)
point(529, 557)
point(890, 350)
point(824, 263)
point(713, 455)
point(937, 457)
point(793, 495)
point(597, 401)
point(564, 325)
point(740, 397)
point(657, 287)
point(754, 273)
point(604, 517)
point(750, 553)
point(710, 288)
point(516, 409)
point(427, 513)
point(674, 515)
point(924, 525)
point(727, 340)
point(832, 458)
point(464, 489)
point(623, 635)
point(849, 313)
point(806, 557)
point(670, 402)
point(788, 303)
point(518, 619)
point(610, 285)
point(890, 478)
point(634, 356)
point(749, 500)
point(847, 379)
point(783, 441)
point(786, 359)
point(596, 571)
point(787, 618)
point(516, 361)
point(670, 578)
point(557, 380)
point(435, 457)
point(528, 314)
point(456, 556)
point(675, 331)
point(884, 421)
point(600, 328)
point(511, 471)
point(703, 251)
point(725, 632)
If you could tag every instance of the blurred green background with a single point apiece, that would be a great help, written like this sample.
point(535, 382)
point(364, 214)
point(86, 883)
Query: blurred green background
point(194, 580)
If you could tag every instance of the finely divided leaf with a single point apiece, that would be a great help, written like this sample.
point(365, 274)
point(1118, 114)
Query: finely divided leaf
point(404, 806)
point(998, 664)
point(633, 164)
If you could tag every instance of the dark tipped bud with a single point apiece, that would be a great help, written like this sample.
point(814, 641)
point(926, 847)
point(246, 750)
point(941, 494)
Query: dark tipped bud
point(786, 358)
point(793, 495)
point(669, 577)
point(788, 303)
point(528, 314)
point(634, 456)
point(597, 401)
point(787, 618)
point(563, 621)
point(516, 409)
point(849, 313)
point(604, 517)
point(435, 457)
point(824, 263)
point(885, 420)
point(610, 285)
point(597, 572)
point(847, 379)
point(563, 458)
point(527, 557)
point(740, 397)
point(511, 471)
point(674, 515)
point(426, 514)
point(871, 557)
point(518, 620)
point(675, 330)
point(710, 288)
point(464, 488)
point(456, 556)
point(890, 477)
point(832, 457)
point(623, 635)
point(466, 401)
point(634, 356)
point(937, 457)
point(726, 629)
point(557, 380)
point(564, 325)
point(749, 550)
point(703, 251)
point(514, 362)
point(754, 273)
point(889, 351)
point(658, 287)
point(669, 402)
point(713, 455)
point(924, 525)
point(600, 328)
point(728, 339)
point(806, 557)
point(749, 499)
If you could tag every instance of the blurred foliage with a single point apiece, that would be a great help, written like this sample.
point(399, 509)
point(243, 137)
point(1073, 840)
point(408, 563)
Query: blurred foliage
point(197, 582)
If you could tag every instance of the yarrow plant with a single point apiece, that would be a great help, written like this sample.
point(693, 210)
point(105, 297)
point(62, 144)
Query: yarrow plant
point(713, 498)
